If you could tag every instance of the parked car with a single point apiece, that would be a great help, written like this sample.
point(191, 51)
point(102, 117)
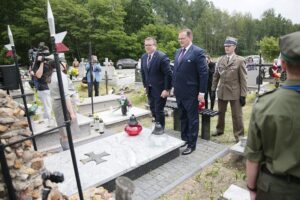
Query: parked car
point(126, 63)
point(255, 59)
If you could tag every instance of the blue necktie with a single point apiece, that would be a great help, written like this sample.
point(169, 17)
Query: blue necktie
point(181, 55)
point(148, 61)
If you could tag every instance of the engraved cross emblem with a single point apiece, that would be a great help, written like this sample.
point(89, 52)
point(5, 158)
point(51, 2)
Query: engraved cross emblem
point(94, 157)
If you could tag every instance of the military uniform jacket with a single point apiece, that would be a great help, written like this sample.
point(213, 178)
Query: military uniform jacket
point(274, 131)
point(232, 78)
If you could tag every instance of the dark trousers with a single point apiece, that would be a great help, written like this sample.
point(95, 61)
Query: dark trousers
point(237, 117)
point(157, 105)
point(189, 121)
point(95, 84)
point(212, 100)
point(272, 188)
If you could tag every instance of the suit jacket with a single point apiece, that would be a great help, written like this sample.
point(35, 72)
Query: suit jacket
point(232, 78)
point(158, 75)
point(191, 74)
point(96, 72)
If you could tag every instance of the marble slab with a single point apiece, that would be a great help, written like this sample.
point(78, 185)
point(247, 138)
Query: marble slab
point(101, 103)
point(27, 90)
point(236, 193)
point(111, 116)
point(47, 140)
point(126, 153)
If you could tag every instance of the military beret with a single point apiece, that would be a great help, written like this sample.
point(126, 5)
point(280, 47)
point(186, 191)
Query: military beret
point(230, 41)
point(290, 47)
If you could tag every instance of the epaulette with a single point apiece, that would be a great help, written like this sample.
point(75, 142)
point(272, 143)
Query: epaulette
point(264, 94)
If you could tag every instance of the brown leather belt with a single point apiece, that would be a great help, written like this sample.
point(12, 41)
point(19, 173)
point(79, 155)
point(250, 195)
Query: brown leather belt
point(287, 178)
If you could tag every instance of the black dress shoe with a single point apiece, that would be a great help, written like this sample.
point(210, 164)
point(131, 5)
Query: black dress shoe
point(185, 143)
point(187, 151)
point(217, 134)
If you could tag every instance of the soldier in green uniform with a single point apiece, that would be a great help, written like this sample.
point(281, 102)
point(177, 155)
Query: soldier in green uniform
point(231, 75)
point(273, 146)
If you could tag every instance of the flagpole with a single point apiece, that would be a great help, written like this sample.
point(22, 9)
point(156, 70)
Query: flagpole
point(63, 99)
point(91, 76)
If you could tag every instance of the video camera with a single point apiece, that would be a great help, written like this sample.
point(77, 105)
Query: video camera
point(55, 177)
point(42, 52)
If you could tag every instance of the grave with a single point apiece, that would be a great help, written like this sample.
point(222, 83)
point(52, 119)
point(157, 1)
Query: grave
point(114, 117)
point(120, 154)
point(235, 192)
point(16, 94)
point(251, 81)
point(116, 78)
point(51, 139)
point(101, 103)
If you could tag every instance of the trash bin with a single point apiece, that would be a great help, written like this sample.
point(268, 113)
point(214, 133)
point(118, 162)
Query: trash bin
point(9, 79)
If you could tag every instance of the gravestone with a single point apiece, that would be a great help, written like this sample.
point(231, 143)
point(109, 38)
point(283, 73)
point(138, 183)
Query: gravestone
point(128, 156)
point(119, 78)
point(108, 72)
point(252, 74)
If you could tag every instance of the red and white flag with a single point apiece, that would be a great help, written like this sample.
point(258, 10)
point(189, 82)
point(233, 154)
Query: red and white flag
point(9, 53)
point(60, 47)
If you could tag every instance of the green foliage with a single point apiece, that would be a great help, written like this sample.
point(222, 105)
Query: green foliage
point(269, 47)
point(138, 13)
point(170, 11)
point(166, 36)
point(117, 28)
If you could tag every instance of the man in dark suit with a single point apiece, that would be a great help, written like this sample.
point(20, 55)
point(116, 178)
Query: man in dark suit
point(190, 77)
point(157, 77)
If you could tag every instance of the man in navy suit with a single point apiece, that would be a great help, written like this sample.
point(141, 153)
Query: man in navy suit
point(157, 78)
point(190, 77)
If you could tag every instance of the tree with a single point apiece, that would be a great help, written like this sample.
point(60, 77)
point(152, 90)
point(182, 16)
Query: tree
point(106, 18)
point(138, 14)
point(195, 11)
point(166, 36)
point(269, 47)
point(170, 11)
point(74, 18)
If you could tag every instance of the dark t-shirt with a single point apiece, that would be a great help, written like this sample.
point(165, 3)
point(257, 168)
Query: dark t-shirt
point(42, 82)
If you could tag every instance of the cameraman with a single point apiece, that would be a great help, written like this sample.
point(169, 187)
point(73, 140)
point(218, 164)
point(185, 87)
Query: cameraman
point(40, 70)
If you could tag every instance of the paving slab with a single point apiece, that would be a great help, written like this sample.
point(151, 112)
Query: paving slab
point(169, 175)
